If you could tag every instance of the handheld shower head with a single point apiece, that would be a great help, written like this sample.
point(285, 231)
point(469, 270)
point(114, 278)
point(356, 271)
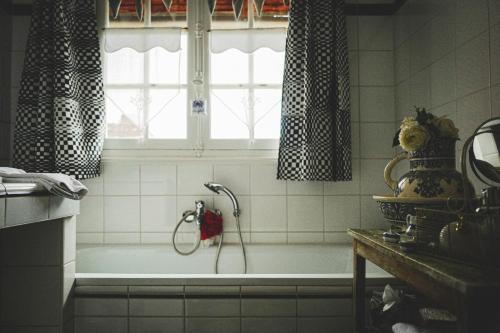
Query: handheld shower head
point(217, 188)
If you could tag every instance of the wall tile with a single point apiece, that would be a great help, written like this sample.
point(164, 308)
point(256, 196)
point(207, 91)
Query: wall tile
point(348, 187)
point(442, 82)
point(420, 55)
point(121, 179)
point(420, 89)
point(472, 19)
point(352, 32)
point(473, 68)
point(495, 101)
point(371, 216)
point(94, 185)
point(41, 286)
point(156, 307)
point(101, 325)
point(235, 177)
point(401, 27)
point(376, 140)
point(354, 99)
point(263, 180)
point(36, 244)
point(91, 218)
point(324, 325)
point(442, 37)
point(402, 62)
point(121, 214)
point(377, 104)
point(89, 238)
point(353, 68)
point(494, 10)
point(17, 64)
point(225, 205)
point(355, 140)
point(341, 212)
point(156, 238)
point(158, 179)
point(304, 188)
point(305, 237)
point(472, 111)
point(20, 29)
point(495, 54)
point(212, 325)
point(403, 105)
point(191, 177)
point(26, 209)
point(122, 238)
point(268, 237)
point(256, 307)
point(376, 68)
point(305, 213)
point(275, 325)
point(372, 176)
point(324, 307)
point(158, 214)
point(268, 213)
point(101, 307)
point(205, 307)
point(376, 33)
point(157, 325)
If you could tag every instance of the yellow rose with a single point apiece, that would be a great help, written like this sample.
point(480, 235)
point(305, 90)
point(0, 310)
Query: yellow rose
point(413, 138)
point(408, 122)
point(446, 127)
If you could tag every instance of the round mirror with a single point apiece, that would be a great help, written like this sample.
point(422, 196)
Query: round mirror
point(485, 151)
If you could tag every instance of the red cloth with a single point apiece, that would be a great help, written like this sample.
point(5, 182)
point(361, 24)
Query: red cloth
point(211, 225)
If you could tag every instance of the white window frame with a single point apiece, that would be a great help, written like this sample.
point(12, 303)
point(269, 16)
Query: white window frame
point(198, 139)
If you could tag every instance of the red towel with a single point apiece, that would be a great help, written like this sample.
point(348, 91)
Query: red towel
point(211, 225)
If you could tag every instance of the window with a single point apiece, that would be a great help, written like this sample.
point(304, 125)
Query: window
point(150, 89)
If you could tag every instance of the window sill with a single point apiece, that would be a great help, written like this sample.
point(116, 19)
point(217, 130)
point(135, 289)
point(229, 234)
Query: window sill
point(188, 154)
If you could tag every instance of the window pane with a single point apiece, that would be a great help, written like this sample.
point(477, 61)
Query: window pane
point(268, 66)
point(124, 66)
point(176, 17)
point(274, 15)
point(167, 114)
point(229, 114)
point(127, 16)
point(229, 67)
point(168, 67)
point(124, 113)
point(267, 113)
point(223, 17)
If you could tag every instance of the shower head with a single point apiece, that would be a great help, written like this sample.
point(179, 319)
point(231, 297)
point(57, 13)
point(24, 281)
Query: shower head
point(217, 188)
point(214, 187)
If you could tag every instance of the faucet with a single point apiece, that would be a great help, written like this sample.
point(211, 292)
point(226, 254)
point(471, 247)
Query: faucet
point(217, 188)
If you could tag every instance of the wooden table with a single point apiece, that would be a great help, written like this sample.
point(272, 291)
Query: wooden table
point(470, 292)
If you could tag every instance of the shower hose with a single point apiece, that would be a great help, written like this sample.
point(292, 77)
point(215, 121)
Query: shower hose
point(184, 219)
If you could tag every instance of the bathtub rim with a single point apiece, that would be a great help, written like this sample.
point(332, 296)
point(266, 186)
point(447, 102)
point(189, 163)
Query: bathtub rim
point(116, 279)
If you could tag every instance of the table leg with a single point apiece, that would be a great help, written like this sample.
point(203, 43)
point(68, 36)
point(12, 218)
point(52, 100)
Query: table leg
point(359, 268)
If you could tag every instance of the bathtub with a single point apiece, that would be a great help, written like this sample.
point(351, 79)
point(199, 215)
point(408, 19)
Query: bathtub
point(288, 288)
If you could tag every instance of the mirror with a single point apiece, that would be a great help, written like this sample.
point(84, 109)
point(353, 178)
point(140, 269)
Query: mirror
point(484, 154)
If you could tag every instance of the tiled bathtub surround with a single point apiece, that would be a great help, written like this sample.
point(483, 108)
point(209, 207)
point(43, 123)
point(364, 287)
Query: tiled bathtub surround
point(142, 202)
point(447, 59)
point(279, 308)
point(5, 117)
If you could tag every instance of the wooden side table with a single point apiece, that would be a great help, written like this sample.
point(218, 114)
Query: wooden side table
point(470, 292)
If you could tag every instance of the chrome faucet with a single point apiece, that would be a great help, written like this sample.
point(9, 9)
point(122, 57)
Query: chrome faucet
point(217, 188)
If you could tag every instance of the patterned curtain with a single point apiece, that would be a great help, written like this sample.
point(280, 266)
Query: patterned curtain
point(315, 141)
point(60, 112)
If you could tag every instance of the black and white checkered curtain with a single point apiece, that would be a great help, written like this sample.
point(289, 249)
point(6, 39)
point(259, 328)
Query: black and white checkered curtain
point(60, 112)
point(315, 141)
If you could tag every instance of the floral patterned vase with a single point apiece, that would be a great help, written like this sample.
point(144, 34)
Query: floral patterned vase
point(432, 172)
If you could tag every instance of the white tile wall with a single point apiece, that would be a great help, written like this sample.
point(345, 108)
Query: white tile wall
point(454, 62)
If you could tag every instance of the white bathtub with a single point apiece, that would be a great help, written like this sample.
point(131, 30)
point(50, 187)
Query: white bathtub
point(262, 260)
point(288, 288)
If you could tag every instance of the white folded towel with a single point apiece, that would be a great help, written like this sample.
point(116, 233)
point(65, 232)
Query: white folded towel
point(56, 183)
point(409, 328)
